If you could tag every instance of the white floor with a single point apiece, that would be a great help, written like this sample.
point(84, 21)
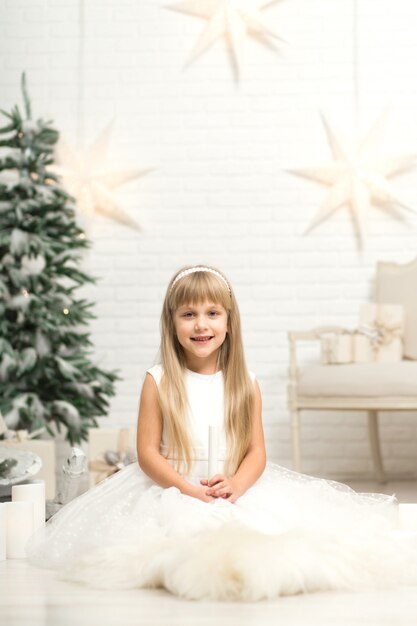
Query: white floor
point(35, 597)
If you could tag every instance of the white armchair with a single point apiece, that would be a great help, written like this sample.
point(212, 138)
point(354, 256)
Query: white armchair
point(370, 387)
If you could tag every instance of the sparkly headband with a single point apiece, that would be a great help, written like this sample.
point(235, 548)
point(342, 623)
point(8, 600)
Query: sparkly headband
point(199, 268)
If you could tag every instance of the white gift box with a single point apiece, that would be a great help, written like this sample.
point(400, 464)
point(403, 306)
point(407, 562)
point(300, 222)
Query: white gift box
point(390, 353)
point(389, 316)
point(382, 325)
point(45, 449)
point(361, 350)
point(378, 338)
point(102, 440)
point(336, 348)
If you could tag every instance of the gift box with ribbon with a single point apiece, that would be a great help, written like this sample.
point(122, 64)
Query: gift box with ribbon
point(337, 347)
point(110, 449)
point(378, 338)
point(383, 327)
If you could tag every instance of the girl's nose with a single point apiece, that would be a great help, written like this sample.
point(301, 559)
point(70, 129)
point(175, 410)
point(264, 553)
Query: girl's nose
point(200, 322)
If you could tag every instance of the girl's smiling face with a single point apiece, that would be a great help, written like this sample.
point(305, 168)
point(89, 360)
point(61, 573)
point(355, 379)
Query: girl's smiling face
point(201, 329)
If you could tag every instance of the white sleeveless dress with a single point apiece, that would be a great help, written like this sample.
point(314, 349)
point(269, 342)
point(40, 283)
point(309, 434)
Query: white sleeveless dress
point(289, 533)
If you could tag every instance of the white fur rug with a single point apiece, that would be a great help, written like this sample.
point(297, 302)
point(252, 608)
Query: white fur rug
point(237, 563)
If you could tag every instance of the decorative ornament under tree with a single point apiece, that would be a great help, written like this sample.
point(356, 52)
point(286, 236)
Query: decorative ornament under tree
point(90, 179)
point(72, 473)
point(358, 177)
point(46, 375)
point(232, 19)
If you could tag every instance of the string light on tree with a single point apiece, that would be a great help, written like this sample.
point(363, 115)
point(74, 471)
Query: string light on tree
point(358, 176)
point(231, 19)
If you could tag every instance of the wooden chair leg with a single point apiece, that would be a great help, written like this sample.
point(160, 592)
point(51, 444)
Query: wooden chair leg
point(295, 434)
point(375, 447)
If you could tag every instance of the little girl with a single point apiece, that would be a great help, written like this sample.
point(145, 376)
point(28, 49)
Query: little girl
point(252, 530)
point(202, 365)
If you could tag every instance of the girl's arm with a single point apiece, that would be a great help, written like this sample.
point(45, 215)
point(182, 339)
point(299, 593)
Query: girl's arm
point(149, 435)
point(251, 467)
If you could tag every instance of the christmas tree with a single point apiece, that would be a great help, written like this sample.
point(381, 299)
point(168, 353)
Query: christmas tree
point(46, 375)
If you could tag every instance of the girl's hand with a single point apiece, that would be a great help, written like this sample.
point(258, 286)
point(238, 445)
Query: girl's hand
point(201, 493)
point(222, 487)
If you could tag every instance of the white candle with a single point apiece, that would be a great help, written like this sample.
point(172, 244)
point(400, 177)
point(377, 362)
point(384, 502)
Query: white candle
point(2, 532)
point(33, 491)
point(407, 516)
point(213, 452)
point(19, 528)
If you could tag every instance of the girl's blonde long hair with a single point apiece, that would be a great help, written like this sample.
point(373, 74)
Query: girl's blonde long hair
point(196, 288)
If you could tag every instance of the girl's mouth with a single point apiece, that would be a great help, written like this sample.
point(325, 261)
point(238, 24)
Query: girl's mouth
point(201, 339)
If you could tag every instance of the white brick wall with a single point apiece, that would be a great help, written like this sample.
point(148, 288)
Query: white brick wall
point(220, 193)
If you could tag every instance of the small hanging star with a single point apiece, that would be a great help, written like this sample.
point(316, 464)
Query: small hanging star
point(232, 19)
point(91, 181)
point(358, 177)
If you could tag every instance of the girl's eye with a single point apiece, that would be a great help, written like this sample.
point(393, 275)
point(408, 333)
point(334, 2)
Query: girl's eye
point(188, 314)
point(213, 313)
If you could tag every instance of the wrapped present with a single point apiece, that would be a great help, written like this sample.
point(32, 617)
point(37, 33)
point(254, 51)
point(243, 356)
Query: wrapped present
point(45, 449)
point(378, 338)
point(382, 328)
point(110, 449)
point(362, 351)
point(336, 348)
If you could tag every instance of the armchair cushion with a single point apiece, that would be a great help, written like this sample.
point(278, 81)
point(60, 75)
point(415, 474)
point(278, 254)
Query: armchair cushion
point(359, 379)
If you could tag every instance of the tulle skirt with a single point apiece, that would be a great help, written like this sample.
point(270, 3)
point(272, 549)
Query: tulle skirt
point(289, 533)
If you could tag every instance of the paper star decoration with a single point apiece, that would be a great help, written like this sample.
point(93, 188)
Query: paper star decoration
point(88, 177)
point(358, 177)
point(232, 19)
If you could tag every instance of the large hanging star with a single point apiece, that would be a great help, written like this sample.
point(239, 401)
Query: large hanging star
point(88, 177)
point(358, 177)
point(232, 19)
